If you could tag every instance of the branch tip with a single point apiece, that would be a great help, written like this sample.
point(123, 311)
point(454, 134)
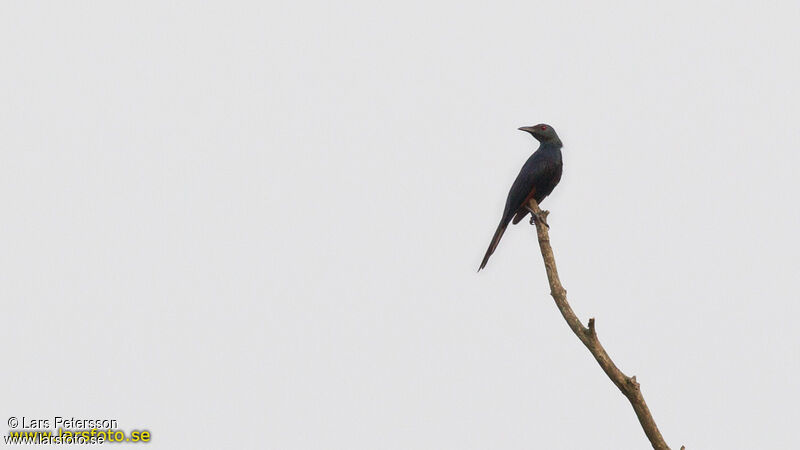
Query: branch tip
point(590, 331)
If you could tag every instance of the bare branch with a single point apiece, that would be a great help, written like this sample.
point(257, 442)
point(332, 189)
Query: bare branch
point(588, 335)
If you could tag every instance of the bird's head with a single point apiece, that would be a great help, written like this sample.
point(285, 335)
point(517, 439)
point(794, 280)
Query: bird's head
point(542, 132)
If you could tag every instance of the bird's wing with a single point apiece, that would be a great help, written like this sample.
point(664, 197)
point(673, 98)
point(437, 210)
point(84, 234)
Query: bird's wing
point(536, 168)
point(521, 213)
point(536, 179)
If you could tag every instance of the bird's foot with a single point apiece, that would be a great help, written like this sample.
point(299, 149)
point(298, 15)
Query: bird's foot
point(541, 216)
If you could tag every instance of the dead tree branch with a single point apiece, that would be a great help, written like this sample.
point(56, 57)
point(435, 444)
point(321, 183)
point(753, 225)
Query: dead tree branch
point(627, 385)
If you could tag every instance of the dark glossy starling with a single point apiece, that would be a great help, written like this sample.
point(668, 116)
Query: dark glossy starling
point(540, 174)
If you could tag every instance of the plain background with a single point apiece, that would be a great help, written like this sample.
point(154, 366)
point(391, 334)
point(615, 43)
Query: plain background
point(258, 224)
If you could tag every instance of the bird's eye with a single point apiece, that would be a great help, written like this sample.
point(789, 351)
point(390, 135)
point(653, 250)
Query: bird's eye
point(542, 127)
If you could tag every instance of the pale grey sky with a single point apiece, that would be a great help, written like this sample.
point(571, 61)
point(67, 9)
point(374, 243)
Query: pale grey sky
point(257, 224)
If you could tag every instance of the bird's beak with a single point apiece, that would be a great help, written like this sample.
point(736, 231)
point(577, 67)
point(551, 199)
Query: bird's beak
point(528, 129)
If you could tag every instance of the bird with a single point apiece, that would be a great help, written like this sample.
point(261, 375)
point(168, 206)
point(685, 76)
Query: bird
point(538, 177)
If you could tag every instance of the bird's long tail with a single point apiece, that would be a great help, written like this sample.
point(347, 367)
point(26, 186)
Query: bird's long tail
point(495, 240)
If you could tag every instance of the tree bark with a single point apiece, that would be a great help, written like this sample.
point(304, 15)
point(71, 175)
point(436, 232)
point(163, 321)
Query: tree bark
point(627, 385)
